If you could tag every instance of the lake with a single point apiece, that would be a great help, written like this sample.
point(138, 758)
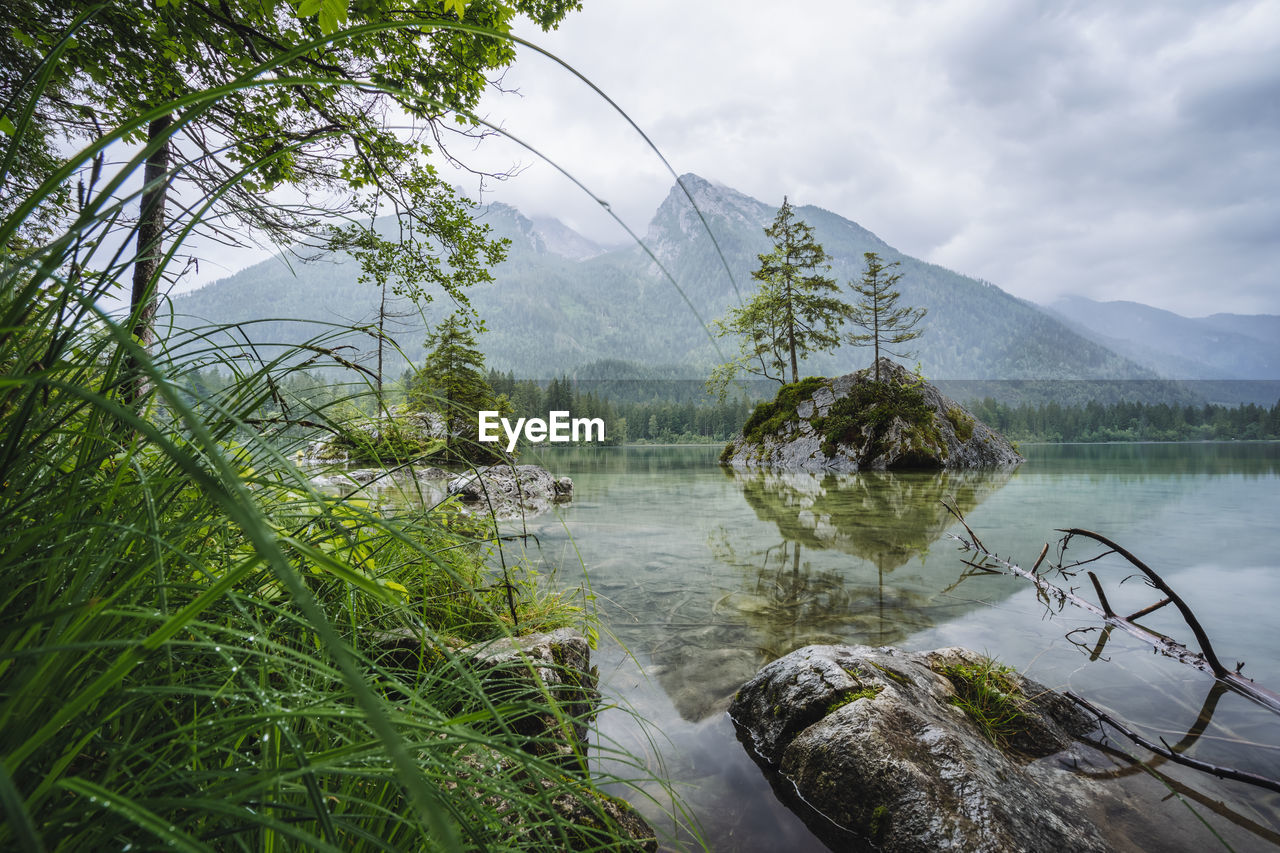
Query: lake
point(703, 575)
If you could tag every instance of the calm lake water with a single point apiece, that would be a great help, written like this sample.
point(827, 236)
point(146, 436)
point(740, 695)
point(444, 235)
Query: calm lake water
point(703, 575)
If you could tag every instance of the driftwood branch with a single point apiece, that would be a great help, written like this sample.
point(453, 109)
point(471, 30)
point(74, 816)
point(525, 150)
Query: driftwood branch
point(1205, 660)
point(1148, 610)
point(1102, 596)
point(1202, 638)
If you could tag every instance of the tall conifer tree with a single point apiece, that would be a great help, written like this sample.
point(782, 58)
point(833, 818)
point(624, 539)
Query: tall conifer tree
point(452, 380)
point(795, 310)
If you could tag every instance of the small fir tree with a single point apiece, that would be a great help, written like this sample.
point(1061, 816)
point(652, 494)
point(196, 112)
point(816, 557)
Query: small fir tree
point(452, 379)
point(885, 324)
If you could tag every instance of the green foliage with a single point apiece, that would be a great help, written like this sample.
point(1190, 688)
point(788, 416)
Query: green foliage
point(389, 437)
point(143, 67)
point(769, 417)
point(989, 696)
point(194, 647)
point(677, 412)
point(1129, 421)
point(886, 325)
point(197, 649)
point(644, 412)
point(409, 266)
point(452, 382)
point(792, 313)
point(868, 409)
point(452, 379)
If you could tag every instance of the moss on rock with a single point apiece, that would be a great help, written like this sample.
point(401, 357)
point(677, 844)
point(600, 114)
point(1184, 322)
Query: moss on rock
point(769, 417)
point(868, 410)
point(856, 422)
point(852, 696)
point(962, 422)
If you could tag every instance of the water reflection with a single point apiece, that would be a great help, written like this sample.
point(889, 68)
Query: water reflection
point(887, 518)
point(840, 558)
point(704, 577)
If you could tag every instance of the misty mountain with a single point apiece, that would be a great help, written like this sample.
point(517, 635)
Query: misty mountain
point(561, 302)
point(1222, 346)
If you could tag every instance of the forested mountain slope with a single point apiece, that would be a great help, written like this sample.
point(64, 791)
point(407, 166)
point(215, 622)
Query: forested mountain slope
point(560, 302)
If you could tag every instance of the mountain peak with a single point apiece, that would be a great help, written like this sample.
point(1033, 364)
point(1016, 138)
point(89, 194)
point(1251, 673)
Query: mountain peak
point(541, 234)
point(676, 221)
point(562, 240)
point(721, 199)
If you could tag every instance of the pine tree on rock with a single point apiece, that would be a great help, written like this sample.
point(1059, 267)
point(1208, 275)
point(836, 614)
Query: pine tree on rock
point(885, 324)
point(452, 379)
point(795, 311)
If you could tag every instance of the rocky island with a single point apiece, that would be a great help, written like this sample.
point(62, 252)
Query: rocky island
point(855, 423)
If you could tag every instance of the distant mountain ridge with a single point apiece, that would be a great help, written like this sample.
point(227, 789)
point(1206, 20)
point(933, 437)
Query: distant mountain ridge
point(1221, 346)
point(561, 302)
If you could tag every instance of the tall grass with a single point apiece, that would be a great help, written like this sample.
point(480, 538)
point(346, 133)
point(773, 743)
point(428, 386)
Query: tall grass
point(192, 637)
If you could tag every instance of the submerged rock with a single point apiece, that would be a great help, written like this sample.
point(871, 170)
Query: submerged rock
point(512, 490)
point(853, 423)
point(875, 743)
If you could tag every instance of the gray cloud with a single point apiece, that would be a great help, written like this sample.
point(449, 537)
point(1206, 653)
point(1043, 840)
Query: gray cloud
point(1112, 150)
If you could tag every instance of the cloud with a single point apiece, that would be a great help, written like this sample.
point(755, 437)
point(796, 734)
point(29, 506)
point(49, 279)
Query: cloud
point(1111, 150)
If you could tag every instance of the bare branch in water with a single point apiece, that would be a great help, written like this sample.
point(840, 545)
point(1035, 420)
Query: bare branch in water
point(1205, 660)
point(1201, 637)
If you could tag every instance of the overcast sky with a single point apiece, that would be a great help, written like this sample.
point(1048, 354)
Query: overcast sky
point(1117, 150)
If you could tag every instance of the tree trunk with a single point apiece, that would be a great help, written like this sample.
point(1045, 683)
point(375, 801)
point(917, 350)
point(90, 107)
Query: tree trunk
point(875, 334)
point(382, 331)
point(151, 222)
point(791, 330)
point(795, 372)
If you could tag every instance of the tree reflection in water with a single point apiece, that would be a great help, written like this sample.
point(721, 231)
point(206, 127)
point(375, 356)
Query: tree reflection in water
point(803, 588)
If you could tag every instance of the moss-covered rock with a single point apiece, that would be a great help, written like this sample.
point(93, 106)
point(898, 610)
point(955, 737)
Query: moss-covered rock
point(854, 422)
point(402, 435)
point(768, 417)
point(550, 676)
point(872, 742)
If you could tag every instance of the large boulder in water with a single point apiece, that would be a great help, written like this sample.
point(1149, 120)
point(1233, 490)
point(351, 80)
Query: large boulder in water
point(854, 422)
point(878, 749)
point(511, 491)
